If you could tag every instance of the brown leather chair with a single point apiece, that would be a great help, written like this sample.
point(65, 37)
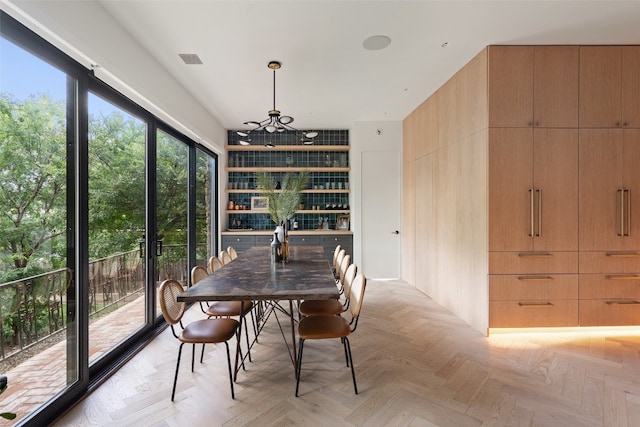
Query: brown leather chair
point(330, 326)
point(223, 308)
point(330, 306)
point(205, 331)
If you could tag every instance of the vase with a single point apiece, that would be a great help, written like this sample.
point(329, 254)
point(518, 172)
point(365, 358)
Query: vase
point(280, 232)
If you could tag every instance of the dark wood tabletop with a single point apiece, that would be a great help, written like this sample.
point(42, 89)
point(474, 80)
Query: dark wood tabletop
point(252, 276)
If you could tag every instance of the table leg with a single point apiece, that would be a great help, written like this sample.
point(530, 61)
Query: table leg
point(293, 340)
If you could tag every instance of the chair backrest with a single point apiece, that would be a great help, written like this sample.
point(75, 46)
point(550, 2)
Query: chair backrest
point(335, 255)
point(349, 276)
point(224, 257)
point(346, 261)
point(232, 252)
point(341, 255)
point(214, 264)
point(172, 310)
point(357, 295)
point(197, 274)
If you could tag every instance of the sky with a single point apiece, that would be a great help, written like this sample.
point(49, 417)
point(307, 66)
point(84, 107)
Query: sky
point(23, 74)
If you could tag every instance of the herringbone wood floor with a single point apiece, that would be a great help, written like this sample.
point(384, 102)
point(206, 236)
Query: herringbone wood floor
point(416, 364)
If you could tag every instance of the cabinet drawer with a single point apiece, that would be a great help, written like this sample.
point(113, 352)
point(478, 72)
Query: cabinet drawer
point(532, 262)
point(264, 240)
point(550, 313)
point(304, 240)
point(614, 261)
point(239, 242)
point(333, 241)
point(609, 312)
point(594, 286)
point(535, 287)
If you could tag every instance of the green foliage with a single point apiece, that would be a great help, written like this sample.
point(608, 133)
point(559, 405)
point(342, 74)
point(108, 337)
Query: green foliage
point(283, 203)
point(32, 181)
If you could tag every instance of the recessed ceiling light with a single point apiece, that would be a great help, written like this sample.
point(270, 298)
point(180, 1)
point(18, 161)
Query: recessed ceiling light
point(376, 42)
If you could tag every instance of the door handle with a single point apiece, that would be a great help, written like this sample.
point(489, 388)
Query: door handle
point(395, 232)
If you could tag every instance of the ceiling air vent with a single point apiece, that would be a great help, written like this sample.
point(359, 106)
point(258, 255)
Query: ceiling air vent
point(190, 58)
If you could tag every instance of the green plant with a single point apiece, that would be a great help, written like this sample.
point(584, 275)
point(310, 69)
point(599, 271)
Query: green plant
point(283, 202)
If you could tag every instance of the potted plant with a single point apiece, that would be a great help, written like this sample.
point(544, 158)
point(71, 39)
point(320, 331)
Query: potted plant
point(283, 196)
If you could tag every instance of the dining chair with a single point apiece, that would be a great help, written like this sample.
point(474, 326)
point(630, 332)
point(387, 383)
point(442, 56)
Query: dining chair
point(344, 264)
point(224, 308)
point(339, 258)
point(335, 257)
point(204, 331)
point(330, 326)
point(330, 306)
point(214, 264)
point(224, 257)
point(232, 252)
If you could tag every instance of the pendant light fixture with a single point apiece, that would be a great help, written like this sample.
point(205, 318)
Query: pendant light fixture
point(275, 122)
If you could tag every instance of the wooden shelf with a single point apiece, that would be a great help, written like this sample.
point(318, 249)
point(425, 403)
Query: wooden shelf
point(288, 148)
point(286, 169)
point(256, 190)
point(304, 211)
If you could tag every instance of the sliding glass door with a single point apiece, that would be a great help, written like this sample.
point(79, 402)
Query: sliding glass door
point(117, 291)
point(172, 189)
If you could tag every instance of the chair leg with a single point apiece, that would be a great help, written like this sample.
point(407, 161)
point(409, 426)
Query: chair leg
point(346, 356)
point(202, 354)
point(353, 373)
point(246, 333)
point(193, 357)
point(233, 396)
point(175, 378)
point(299, 365)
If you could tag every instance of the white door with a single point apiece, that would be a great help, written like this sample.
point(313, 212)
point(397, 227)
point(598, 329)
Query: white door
point(381, 198)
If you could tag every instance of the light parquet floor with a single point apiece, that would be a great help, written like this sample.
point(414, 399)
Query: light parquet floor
point(416, 365)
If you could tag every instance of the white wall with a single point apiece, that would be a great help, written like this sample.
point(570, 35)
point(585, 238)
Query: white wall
point(363, 137)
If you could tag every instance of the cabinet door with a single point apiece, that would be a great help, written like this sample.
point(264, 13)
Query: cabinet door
point(600, 86)
point(510, 182)
point(555, 180)
point(510, 86)
point(555, 86)
point(601, 179)
point(631, 86)
point(631, 181)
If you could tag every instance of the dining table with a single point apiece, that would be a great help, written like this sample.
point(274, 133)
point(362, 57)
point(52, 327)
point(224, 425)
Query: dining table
point(253, 276)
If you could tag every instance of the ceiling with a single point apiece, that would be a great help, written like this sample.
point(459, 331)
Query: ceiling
point(328, 80)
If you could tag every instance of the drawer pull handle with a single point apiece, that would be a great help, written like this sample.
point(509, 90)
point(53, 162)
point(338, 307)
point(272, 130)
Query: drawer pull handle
point(623, 254)
point(623, 302)
point(535, 304)
point(534, 254)
point(535, 278)
point(623, 277)
point(238, 239)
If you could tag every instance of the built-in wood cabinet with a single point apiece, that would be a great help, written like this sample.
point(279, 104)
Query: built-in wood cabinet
point(609, 86)
point(533, 86)
point(533, 189)
point(549, 143)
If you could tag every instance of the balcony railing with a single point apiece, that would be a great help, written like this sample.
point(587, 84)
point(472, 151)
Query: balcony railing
point(34, 309)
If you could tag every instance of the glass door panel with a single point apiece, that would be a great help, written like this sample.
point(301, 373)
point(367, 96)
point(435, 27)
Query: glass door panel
point(116, 222)
point(171, 209)
point(37, 286)
point(206, 219)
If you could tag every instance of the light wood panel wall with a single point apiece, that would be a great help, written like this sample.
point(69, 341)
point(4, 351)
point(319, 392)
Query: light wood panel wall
point(445, 160)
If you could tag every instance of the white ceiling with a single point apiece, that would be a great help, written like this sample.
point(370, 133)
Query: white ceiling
point(327, 79)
